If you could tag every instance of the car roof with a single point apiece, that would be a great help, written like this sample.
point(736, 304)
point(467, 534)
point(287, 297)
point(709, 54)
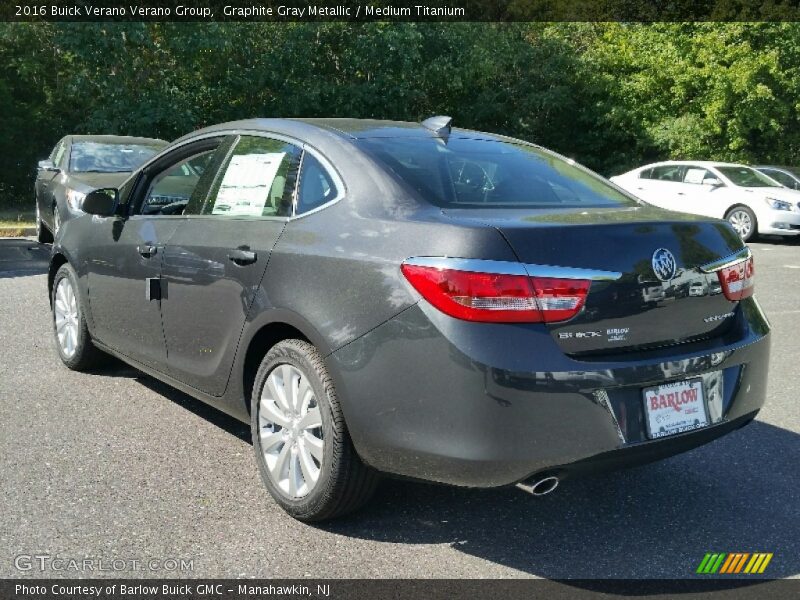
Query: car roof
point(778, 168)
point(700, 163)
point(341, 127)
point(117, 139)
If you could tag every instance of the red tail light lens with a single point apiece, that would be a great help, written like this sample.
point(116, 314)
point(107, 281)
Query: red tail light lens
point(498, 298)
point(737, 280)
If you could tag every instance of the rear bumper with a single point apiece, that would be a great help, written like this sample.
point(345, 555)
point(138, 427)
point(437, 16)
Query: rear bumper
point(477, 404)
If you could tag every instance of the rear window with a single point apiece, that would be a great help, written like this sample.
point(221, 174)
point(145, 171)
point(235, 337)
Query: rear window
point(101, 157)
point(468, 173)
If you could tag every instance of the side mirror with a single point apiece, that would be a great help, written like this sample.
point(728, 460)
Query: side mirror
point(102, 202)
point(713, 182)
point(47, 165)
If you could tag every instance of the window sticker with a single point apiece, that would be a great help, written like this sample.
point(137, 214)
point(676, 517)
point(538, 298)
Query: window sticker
point(694, 175)
point(245, 188)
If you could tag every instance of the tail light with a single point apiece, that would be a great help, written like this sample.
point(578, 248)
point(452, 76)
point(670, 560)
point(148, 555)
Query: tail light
point(498, 297)
point(737, 280)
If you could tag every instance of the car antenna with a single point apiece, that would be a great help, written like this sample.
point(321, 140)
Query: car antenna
point(439, 124)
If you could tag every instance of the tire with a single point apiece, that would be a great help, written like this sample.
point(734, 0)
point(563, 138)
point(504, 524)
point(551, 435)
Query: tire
point(73, 342)
point(343, 483)
point(744, 221)
point(43, 235)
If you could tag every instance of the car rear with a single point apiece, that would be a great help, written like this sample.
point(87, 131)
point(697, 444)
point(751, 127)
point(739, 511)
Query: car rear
point(620, 334)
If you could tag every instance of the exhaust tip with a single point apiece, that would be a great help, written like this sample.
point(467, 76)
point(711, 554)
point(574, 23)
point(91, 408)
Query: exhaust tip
point(541, 486)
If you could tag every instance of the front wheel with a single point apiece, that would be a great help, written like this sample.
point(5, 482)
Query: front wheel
point(69, 323)
point(743, 220)
point(303, 450)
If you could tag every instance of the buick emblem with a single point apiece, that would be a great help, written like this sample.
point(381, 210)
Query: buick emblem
point(664, 264)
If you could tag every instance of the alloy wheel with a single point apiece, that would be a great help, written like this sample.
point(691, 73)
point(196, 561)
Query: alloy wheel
point(290, 431)
point(741, 222)
point(65, 309)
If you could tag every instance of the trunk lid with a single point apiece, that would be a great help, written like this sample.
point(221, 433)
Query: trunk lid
point(637, 309)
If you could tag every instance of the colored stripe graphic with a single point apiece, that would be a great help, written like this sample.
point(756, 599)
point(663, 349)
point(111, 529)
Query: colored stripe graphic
point(734, 563)
point(731, 563)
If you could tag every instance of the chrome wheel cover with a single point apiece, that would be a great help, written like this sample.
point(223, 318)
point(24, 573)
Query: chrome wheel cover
point(65, 312)
point(290, 431)
point(741, 222)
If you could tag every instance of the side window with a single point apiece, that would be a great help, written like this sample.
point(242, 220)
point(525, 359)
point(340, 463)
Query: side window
point(696, 175)
point(668, 173)
point(781, 178)
point(172, 190)
point(316, 185)
point(258, 180)
point(646, 174)
point(58, 153)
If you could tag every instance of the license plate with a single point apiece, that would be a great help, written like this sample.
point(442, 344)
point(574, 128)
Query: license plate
point(675, 408)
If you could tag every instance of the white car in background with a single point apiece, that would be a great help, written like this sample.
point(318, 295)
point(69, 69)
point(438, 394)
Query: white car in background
point(752, 202)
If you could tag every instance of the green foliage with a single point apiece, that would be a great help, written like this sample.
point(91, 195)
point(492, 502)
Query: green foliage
point(611, 95)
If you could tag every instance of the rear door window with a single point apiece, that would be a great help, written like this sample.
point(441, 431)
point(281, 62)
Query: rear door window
point(257, 180)
point(667, 173)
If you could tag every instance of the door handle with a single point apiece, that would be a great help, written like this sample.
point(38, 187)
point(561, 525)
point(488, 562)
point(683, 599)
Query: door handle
point(147, 251)
point(242, 256)
point(681, 193)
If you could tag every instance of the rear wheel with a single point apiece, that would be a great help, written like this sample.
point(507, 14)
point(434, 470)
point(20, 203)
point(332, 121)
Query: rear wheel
point(303, 450)
point(69, 324)
point(43, 235)
point(743, 220)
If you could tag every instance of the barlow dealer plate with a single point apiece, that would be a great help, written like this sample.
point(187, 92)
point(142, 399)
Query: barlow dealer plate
point(675, 408)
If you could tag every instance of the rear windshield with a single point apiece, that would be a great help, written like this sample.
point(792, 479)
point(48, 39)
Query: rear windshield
point(468, 173)
point(97, 157)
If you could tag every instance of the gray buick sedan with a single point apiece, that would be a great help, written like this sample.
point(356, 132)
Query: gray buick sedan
point(412, 299)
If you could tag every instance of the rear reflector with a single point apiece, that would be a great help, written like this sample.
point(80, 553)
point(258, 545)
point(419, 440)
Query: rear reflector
point(498, 298)
point(738, 280)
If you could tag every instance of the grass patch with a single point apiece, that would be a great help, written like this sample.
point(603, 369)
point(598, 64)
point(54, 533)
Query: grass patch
point(17, 218)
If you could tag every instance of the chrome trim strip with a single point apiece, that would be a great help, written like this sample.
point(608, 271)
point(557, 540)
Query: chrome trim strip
point(571, 273)
point(726, 261)
point(501, 267)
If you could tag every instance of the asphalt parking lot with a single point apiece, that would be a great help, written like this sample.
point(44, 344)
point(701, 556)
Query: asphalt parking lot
point(115, 465)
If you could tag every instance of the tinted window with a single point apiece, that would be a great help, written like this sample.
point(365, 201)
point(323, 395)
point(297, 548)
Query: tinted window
point(468, 173)
point(258, 179)
point(781, 177)
point(746, 177)
point(316, 185)
point(96, 157)
point(172, 189)
point(667, 173)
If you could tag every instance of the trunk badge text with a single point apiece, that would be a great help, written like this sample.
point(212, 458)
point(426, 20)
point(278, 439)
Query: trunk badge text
point(617, 334)
point(664, 265)
point(713, 318)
